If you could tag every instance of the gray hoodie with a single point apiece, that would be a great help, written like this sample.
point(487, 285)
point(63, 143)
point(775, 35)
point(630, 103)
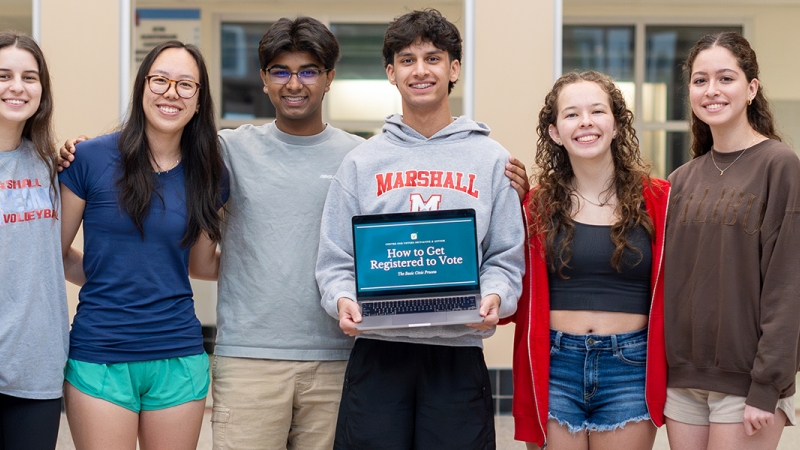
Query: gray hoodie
point(400, 170)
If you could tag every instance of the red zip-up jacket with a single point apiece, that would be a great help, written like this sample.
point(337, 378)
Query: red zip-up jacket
point(531, 371)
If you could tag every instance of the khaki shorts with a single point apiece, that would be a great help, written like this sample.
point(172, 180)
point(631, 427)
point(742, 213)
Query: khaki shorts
point(275, 404)
point(701, 407)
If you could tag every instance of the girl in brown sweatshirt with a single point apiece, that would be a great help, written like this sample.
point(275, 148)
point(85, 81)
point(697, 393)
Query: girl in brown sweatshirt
point(732, 261)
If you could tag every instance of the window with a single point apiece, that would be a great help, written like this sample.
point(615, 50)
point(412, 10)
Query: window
point(646, 63)
point(17, 15)
point(243, 95)
point(361, 94)
point(361, 45)
point(359, 98)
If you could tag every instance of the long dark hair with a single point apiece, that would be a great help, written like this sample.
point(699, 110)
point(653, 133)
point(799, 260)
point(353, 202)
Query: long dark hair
point(200, 155)
point(39, 127)
point(759, 114)
point(551, 202)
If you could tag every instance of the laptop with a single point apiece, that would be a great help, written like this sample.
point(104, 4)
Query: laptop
point(417, 269)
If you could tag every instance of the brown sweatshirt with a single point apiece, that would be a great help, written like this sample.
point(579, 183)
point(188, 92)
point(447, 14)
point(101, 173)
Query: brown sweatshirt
point(732, 274)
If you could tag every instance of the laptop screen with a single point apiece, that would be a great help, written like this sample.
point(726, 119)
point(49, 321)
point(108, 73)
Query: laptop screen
point(421, 252)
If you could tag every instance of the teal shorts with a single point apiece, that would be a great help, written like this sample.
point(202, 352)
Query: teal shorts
point(143, 385)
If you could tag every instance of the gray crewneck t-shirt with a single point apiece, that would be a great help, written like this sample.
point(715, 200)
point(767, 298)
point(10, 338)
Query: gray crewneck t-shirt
point(34, 322)
point(268, 302)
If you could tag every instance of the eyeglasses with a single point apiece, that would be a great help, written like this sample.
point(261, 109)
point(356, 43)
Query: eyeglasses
point(279, 75)
point(184, 88)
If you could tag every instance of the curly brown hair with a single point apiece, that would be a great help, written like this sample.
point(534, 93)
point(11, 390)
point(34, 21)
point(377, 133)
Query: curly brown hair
point(759, 114)
point(550, 203)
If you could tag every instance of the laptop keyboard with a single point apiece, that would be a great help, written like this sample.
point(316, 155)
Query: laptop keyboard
point(421, 305)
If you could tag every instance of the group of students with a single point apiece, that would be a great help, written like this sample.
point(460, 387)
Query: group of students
point(636, 300)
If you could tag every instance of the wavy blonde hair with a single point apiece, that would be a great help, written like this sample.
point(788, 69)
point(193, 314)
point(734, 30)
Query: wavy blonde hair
point(550, 203)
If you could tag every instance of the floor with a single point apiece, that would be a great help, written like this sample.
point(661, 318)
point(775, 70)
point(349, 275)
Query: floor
point(504, 426)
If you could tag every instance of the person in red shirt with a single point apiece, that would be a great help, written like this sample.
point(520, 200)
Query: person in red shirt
point(589, 364)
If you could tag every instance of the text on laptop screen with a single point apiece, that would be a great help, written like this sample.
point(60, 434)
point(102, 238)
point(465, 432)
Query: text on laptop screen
point(416, 255)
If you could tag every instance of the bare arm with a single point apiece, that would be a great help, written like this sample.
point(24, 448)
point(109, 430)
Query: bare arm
point(204, 259)
point(72, 208)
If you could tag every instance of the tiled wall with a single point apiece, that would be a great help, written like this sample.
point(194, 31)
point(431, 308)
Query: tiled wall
point(502, 391)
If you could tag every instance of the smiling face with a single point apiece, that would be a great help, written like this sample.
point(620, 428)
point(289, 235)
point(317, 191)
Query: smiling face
point(719, 90)
point(20, 88)
point(298, 106)
point(167, 114)
point(422, 74)
point(585, 123)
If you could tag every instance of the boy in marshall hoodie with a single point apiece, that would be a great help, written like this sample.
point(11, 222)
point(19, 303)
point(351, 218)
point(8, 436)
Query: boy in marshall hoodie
point(422, 387)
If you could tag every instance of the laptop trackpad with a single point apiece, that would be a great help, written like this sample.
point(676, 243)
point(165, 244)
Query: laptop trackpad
point(419, 319)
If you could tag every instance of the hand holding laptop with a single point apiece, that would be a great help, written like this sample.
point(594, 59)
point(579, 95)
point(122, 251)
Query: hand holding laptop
point(349, 316)
point(490, 305)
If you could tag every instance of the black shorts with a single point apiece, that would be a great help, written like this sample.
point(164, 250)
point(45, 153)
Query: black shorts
point(402, 396)
point(29, 424)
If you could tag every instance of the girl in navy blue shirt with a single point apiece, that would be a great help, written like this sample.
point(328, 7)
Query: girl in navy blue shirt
point(146, 195)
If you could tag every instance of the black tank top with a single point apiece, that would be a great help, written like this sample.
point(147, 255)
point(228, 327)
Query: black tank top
point(593, 283)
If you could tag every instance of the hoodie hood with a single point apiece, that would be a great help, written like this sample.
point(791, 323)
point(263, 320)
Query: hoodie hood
point(403, 135)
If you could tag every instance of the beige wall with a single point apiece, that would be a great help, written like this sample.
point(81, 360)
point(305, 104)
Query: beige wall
point(82, 53)
point(513, 72)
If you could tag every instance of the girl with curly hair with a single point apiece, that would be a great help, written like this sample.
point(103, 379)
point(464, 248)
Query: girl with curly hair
point(589, 366)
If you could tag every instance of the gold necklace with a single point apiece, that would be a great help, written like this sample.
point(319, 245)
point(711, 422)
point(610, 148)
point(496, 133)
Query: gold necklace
point(160, 170)
point(599, 205)
point(722, 171)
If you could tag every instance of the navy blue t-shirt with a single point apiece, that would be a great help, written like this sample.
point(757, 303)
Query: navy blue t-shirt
point(137, 302)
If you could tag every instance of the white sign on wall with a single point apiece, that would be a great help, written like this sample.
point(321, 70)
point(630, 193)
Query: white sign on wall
point(154, 26)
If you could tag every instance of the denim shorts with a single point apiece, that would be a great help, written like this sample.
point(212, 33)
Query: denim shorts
point(597, 382)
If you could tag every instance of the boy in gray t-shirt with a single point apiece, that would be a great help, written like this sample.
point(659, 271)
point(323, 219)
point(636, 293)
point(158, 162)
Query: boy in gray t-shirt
point(280, 360)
